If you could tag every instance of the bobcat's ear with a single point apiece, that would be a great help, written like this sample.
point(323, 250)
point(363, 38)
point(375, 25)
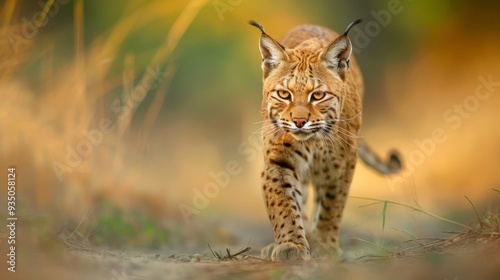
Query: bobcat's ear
point(272, 52)
point(337, 54)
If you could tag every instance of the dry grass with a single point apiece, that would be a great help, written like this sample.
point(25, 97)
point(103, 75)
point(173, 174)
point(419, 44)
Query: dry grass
point(486, 231)
point(73, 99)
point(474, 239)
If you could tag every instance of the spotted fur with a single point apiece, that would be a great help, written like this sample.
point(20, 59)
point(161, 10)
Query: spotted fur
point(311, 111)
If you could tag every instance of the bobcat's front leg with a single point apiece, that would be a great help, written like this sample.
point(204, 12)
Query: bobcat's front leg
point(283, 198)
point(332, 188)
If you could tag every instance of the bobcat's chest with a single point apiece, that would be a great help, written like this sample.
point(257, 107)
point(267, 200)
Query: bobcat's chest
point(322, 161)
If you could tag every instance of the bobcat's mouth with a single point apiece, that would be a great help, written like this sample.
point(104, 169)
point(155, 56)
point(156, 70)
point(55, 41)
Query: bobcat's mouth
point(301, 135)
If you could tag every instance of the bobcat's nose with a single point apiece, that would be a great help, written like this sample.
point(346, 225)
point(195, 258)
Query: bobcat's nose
point(299, 122)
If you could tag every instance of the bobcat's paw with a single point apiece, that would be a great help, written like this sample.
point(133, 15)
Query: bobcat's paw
point(290, 252)
point(266, 252)
point(328, 251)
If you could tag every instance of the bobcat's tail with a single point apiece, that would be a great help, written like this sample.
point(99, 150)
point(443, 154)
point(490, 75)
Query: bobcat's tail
point(390, 166)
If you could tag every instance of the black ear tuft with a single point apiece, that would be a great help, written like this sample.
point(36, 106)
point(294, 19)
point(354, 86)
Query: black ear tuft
point(256, 24)
point(272, 52)
point(351, 25)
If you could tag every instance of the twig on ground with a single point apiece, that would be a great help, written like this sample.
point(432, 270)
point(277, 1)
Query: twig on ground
point(121, 252)
point(229, 256)
point(81, 222)
point(481, 222)
point(247, 249)
point(213, 253)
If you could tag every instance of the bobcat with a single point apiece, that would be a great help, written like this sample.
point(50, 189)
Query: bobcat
point(311, 111)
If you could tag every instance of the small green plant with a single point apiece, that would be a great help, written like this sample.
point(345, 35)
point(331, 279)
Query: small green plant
point(113, 227)
point(120, 229)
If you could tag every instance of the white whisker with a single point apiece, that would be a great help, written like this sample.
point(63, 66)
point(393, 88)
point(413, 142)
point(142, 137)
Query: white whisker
point(260, 130)
point(347, 132)
point(349, 119)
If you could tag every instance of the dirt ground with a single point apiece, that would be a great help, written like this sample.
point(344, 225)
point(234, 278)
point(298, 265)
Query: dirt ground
point(471, 254)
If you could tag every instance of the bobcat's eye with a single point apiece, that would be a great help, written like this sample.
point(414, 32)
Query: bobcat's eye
point(318, 95)
point(283, 94)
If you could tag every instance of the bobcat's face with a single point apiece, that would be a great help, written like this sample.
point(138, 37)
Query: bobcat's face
point(304, 87)
point(303, 95)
